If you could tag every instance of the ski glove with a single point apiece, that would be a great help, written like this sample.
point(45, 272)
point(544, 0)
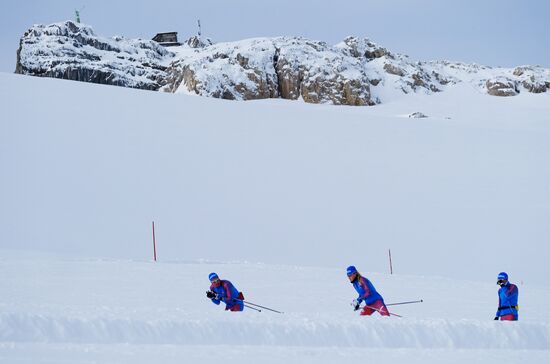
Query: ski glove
point(356, 304)
point(496, 318)
point(213, 295)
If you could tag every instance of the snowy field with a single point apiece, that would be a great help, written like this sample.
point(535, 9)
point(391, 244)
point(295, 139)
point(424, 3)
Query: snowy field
point(59, 309)
point(278, 197)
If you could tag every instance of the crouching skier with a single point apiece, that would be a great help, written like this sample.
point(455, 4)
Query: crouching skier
point(507, 299)
point(367, 293)
point(225, 291)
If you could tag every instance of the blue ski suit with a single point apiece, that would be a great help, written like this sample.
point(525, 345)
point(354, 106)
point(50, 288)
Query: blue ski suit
point(366, 291)
point(228, 294)
point(508, 300)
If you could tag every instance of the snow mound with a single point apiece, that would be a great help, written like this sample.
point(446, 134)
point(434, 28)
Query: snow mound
point(287, 331)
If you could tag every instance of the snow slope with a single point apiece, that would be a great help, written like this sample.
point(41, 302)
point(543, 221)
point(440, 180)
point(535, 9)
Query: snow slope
point(279, 197)
point(88, 167)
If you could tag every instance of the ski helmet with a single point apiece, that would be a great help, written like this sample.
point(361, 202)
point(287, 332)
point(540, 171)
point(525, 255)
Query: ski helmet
point(212, 276)
point(502, 276)
point(350, 270)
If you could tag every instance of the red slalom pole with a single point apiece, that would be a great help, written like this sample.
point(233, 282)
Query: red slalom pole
point(154, 243)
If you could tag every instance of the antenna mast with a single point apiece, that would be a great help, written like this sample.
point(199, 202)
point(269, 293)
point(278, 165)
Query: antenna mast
point(77, 13)
point(199, 23)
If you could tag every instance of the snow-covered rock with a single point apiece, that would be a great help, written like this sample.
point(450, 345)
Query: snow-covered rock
point(198, 42)
point(533, 79)
point(352, 72)
point(320, 73)
point(417, 115)
point(72, 51)
point(501, 87)
point(240, 71)
point(289, 68)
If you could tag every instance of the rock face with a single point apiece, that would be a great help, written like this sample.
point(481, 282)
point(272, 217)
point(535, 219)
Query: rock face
point(289, 68)
point(352, 72)
point(319, 73)
point(243, 72)
point(72, 51)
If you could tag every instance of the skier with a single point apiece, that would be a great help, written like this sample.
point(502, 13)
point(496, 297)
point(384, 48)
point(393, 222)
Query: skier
point(225, 291)
point(367, 292)
point(507, 299)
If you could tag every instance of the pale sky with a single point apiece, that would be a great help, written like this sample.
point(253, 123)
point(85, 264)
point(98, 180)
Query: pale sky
point(492, 32)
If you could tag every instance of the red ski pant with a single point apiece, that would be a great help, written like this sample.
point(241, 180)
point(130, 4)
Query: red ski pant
point(235, 308)
point(509, 317)
point(375, 306)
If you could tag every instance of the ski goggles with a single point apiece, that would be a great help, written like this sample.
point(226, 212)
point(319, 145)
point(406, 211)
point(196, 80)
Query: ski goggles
point(215, 280)
point(501, 281)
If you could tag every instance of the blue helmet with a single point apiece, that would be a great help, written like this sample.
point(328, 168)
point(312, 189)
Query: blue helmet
point(212, 276)
point(350, 270)
point(502, 276)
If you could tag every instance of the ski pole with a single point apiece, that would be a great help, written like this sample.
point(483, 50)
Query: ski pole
point(403, 303)
point(266, 308)
point(253, 308)
point(394, 314)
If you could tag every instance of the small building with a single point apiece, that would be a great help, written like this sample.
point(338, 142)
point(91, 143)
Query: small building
point(167, 39)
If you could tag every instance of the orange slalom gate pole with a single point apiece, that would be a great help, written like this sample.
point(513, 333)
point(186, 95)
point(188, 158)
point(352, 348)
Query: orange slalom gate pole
point(154, 243)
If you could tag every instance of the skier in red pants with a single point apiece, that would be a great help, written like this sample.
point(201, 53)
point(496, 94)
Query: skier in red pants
point(225, 291)
point(507, 299)
point(367, 293)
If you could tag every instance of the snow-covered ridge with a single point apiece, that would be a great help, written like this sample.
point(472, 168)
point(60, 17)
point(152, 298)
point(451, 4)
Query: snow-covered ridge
point(280, 331)
point(72, 51)
point(353, 72)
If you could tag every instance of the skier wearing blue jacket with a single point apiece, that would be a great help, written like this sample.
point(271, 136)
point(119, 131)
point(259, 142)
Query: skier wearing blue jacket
point(367, 293)
point(225, 291)
point(507, 299)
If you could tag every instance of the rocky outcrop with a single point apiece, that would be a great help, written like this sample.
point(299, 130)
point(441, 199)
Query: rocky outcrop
point(235, 73)
point(364, 48)
point(198, 42)
point(72, 51)
point(353, 72)
point(501, 87)
point(289, 68)
point(532, 78)
point(319, 73)
point(417, 115)
point(393, 70)
point(378, 63)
